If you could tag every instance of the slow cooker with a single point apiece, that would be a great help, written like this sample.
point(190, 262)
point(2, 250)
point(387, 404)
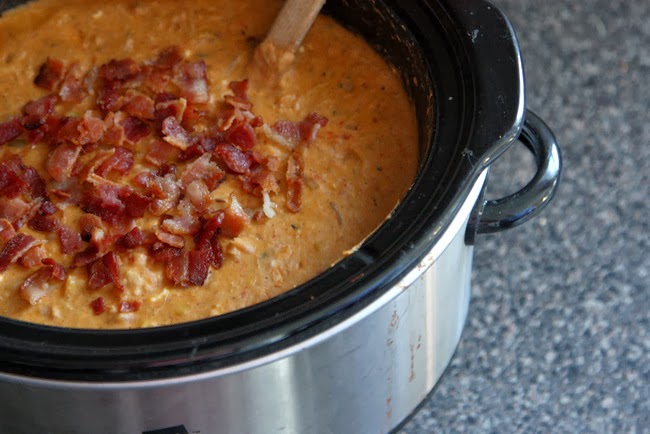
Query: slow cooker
point(357, 348)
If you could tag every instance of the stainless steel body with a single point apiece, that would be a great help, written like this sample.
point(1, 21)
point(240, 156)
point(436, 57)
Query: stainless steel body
point(363, 376)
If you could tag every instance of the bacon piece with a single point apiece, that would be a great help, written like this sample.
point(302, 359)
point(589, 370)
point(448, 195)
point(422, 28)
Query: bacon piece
point(131, 240)
point(134, 129)
point(161, 153)
point(139, 105)
point(61, 161)
point(32, 210)
point(296, 133)
point(260, 179)
point(198, 267)
point(168, 194)
point(103, 200)
point(198, 195)
point(176, 270)
point(119, 70)
point(13, 209)
point(310, 126)
point(12, 183)
point(170, 239)
point(163, 253)
point(175, 134)
point(236, 160)
point(184, 224)
point(36, 112)
point(43, 223)
point(103, 271)
point(33, 257)
point(90, 128)
point(170, 107)
point(234, 219)
point(120, 161)
point(192, 79)
point(7, 231)
point(127, 306)
point(49, 74)
point(203, 169)
point(70, 240)
point(45, 280)
point(10, 130)
point(94, 231)
point(135, 204)
point(109, 96)
point(113, 130)
point(295, 181)
point(86, 257)
point(168, 58)
point(72, 90)
point(37, 187)
point(15, 249)
point(208, 238)
point(239, 89)
point(98, 306)
point(242, 135)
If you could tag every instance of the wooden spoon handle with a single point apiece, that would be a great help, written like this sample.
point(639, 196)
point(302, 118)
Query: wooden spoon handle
point(293, 23)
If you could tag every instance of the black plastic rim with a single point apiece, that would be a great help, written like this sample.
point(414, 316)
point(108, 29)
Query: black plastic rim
point(478, 86)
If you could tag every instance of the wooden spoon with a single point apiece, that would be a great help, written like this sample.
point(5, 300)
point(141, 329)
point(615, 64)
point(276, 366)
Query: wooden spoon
point(277, 52)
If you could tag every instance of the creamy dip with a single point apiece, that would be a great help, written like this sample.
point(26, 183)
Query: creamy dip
point(355, 172)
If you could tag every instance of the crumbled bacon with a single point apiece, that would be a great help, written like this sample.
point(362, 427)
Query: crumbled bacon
point(10, 130)
point(169, 238)
point(198, 267)
point(35, 113)
point(131, 239)
point(7, 231)
point(43, 223)
point(12, 183)
point(33, 257)
point(235, 219)
point(103, 271)
point(139, 105)
point(161, 152)
point(175, 134)
point(242, 135)
point(203, 169)
point(49, 74)
point(135, 129)
point(42, 282)
point(168, 58)
point(37, 187)
point(192, 79)
point(303, 132)
point(15, 249)
point(119, 70)
point(72, 90)
point(90, 129)
point(70, 240)
point(120, 161)
point(61, 161)
point(236, 160)
point(98, 305)
point(198, 195)
point(91, 157)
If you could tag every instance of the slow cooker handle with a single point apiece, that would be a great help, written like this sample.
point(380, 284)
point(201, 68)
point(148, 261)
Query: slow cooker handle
point(497, 215)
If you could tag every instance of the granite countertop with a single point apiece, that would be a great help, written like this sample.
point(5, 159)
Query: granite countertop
point(558, 333)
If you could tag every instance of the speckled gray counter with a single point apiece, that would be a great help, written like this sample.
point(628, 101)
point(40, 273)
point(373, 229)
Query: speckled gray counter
point(558, 333)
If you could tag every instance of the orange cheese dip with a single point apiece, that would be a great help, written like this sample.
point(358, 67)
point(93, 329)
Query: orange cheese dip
point(298, 173)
